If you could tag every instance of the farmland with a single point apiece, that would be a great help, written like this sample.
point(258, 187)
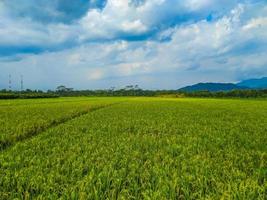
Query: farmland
point(24, 118)
point(133, 148)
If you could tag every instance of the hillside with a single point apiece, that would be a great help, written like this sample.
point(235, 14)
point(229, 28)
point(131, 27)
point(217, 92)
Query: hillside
point(212, 87)
point(254, 83)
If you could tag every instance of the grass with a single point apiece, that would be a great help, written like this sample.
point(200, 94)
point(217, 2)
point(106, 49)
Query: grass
point(142, 148)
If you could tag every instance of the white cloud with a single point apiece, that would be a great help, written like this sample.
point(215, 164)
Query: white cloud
point(134, 26)
point(256, 23)
point(225, 49)
point(116, 20)
point(198, 4)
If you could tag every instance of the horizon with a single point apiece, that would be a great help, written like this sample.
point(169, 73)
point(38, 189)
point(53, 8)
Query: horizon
point(156, 44)
point(134, 86)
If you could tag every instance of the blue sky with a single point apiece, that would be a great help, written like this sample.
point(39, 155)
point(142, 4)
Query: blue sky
point(157, 44)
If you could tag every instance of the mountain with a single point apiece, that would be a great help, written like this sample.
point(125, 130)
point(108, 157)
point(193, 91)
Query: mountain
point(254, 83)
point(212, 87)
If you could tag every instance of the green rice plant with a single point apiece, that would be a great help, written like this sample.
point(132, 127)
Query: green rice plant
point(20, 119)
point(145, 148)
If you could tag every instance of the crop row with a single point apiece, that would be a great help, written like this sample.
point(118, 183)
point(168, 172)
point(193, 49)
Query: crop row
point(23, 120)
point(145, 149)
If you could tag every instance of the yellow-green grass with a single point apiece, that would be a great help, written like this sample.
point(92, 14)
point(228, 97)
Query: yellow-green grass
point(145, 148)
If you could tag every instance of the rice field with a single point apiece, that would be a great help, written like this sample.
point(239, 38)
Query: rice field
point(133, 148)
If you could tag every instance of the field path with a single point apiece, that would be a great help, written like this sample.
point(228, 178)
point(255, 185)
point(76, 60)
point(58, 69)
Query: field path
point(35, 130)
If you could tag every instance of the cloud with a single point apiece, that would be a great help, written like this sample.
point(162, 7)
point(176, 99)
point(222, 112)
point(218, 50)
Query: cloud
point(52, 25)
point(51, 11)
point(256, 23)
point(152, 43)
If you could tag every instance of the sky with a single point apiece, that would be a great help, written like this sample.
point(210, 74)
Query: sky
point(156, 44)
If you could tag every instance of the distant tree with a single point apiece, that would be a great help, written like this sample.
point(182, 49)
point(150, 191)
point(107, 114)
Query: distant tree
point(112, 88)
point(4, 91)
point(136, 87)
point(63, 88)
point(129, 87)
point(28, 91)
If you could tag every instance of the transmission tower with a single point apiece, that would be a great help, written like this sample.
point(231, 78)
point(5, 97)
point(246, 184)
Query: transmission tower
point(9, 83)
point(21, 83)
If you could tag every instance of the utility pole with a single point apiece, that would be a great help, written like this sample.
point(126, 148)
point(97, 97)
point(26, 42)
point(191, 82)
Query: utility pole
point(9, 82)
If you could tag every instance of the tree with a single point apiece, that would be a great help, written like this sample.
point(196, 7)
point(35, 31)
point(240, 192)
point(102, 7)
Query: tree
point(63, 88)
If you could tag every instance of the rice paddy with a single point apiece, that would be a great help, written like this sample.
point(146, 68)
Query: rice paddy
point(133, 148)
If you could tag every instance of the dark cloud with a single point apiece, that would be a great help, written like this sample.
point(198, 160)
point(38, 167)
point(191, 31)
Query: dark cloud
point(52, 11)
point(164, 44)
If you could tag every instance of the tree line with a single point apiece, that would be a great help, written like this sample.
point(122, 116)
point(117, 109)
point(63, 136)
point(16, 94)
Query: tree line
point(27, 94)
point(129, 91)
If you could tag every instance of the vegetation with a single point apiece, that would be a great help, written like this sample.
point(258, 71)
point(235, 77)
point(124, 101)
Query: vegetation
point(233, 93)
point(23, 119)
point(129, 91)
point(139, 148)
point(28, 94)
point(175, 93)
